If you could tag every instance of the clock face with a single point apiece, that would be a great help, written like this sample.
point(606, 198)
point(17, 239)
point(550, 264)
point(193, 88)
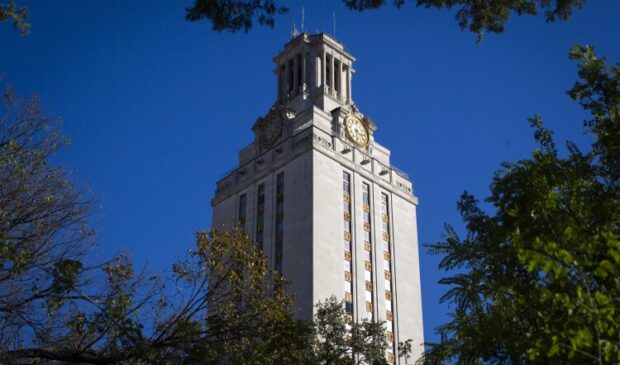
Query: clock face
point(270, 131)
point(356, 130)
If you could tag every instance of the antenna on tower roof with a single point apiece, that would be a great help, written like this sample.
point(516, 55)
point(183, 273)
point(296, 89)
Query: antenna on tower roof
point(334, 24)
point(302, 20)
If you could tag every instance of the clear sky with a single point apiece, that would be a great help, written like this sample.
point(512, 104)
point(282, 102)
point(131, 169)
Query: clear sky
point(157, 108)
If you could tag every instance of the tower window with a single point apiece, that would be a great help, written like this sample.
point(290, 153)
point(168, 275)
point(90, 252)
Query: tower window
point(348, 284)
point(348, 307)
point(260, 214)
point(299, 79)
point(279, 220)
point(282, 79)
point(241, 216)
point(291, 74)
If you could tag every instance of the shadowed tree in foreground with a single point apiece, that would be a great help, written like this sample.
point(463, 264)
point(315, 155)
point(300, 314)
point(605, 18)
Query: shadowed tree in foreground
point(56, 305)
point(538, 280)
point(477, 16)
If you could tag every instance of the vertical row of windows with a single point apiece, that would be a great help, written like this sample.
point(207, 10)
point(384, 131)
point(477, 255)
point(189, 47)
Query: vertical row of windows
point(367, 249)
point(348, 280)
point(241, 214)
point(260, 215)
point(387, 264)
point(279, 220)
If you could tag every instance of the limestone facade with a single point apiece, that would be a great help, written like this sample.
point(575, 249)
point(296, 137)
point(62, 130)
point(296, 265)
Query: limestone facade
point(303, 223)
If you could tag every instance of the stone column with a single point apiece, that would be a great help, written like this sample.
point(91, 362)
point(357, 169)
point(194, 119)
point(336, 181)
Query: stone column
point(304, 55)
point(318, 67)
point(324, 71)
point(333, 72)
point(340, 81)
point(349, 75)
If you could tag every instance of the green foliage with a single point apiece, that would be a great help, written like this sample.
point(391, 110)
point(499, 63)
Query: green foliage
point(538, 281)
point(478, 17)
point(405, 350)
point(336, 341)
point(43, 221)
point(246, 320)
point(19, 16)
point(331, 343)
point(234, 15)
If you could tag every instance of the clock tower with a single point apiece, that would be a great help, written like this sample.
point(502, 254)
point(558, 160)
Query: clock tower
point(319, 195)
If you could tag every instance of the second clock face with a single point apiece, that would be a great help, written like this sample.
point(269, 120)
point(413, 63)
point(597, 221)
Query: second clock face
point(270, 131)
point(356, 130)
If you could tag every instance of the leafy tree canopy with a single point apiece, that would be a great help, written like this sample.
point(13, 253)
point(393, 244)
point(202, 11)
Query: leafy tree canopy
point(477, 16)
point(17, 15)
point(538, 280)
point(335, 339)
point(217, 306)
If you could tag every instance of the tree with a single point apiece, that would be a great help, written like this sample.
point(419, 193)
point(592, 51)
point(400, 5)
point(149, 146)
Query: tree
point(217, 306)
point(237, 308)
point(337, 340)
point(538, 280)
point(19, 16)
point(477, 16)
point(43, 220)
point(220, 309)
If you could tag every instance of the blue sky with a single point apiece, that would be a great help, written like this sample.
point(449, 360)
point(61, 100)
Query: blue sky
point(157, 107)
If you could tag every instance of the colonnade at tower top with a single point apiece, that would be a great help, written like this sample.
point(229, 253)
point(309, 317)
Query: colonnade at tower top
point(314, 64)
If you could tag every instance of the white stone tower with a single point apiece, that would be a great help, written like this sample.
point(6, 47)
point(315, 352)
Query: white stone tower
point(320, 196)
